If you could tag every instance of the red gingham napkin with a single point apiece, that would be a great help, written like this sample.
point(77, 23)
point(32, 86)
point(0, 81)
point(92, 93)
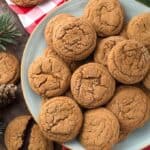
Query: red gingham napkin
point(30, 17)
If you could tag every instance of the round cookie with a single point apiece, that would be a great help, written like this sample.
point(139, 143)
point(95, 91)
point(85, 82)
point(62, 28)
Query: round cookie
point(23, 133)
point(49, 29)
point(15, 131)
point(49, 51)
point(123, 33)
point(128, 61)
point(92, 85)
point(146, 80)
point(9, 68)
point(60, 119)
point(74, 39)
point(106, 16)
point(27, 3)
point(37, 141)
point(130, 105)
point(49, 76)
point(104, 47)
point(139, 29)
point(100, 130)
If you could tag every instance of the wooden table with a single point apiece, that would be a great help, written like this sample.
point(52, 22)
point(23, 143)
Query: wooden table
point(18, 107)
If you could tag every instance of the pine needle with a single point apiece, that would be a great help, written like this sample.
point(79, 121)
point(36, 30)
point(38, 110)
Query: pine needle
point(8, 31)
point(145, 2)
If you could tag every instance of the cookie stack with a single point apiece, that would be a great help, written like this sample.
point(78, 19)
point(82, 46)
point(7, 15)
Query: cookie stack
point(88, 74)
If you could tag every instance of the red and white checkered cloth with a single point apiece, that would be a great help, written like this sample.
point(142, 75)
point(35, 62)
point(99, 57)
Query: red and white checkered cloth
point(30, 17)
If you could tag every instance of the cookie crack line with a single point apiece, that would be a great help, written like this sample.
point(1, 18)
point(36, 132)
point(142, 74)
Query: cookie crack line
point(117, 68)
point(26, 135)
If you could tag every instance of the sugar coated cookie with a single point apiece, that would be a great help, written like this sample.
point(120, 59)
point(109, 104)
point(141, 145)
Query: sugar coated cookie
point(60, 119)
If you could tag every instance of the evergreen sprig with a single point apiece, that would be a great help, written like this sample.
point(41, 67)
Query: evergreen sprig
point(145, 2)
point(8, 31)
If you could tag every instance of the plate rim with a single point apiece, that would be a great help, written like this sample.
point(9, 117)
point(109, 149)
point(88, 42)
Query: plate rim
point(25, 50)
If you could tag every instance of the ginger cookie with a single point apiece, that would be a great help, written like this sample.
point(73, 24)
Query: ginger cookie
point(27, 3)
point(139, 29)
point(49, 29)
point(15, 131)
point(60, 119)
point(104, 47)
point(146, 81)
point(106, 16)
point(49, 51)
point(23, 133)
point(9, 68)
point(123, 33)
point(130, 105)
point(100, 129)
point(123, 136)
point(49, 76)
point(92, 85)
point(74, 39)
point(38, 141)
point(128, 61)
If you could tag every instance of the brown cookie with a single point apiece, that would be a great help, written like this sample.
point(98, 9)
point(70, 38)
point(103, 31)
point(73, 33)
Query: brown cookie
point(74, 39)
point(92, 85)
point(128, 61)
point(37, 141)
point(123, 33)
point(49, 76)
point(69, 94)
point(49, 29)
point(123, 135)
point(27, 3)
point(100, 130)
point(131, 107)
point(104, 47)
point(139, 29)
point(60, 119)
point(146, 81)
point(106, 16)
point(23, 133)
point(71, 64)
point(49, 51)
point(9, 68)
point(15, 132)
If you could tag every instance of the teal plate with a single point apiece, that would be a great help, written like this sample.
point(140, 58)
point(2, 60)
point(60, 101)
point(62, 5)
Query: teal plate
point(34, 48)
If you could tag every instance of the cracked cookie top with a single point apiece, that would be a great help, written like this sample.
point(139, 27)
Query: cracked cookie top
point(49, 76)
point(131, 107)
point(128, 61)
point(49, 29)
point(9, 68)
point(100, 129)
point(37, 141)
point(60, 119)
point(74, 39)
point(104, 47)
point(139, 29)
point(92, 85)
point(14, 134)
point(106, 16)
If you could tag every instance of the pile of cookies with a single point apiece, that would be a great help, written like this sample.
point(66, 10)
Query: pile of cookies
point(91, 74)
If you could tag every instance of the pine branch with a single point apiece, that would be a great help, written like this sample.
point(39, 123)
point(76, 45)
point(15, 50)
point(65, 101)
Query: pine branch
point(8, 31)
point(145, 2)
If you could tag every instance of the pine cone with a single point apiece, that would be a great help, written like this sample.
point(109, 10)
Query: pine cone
point(7, 94)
